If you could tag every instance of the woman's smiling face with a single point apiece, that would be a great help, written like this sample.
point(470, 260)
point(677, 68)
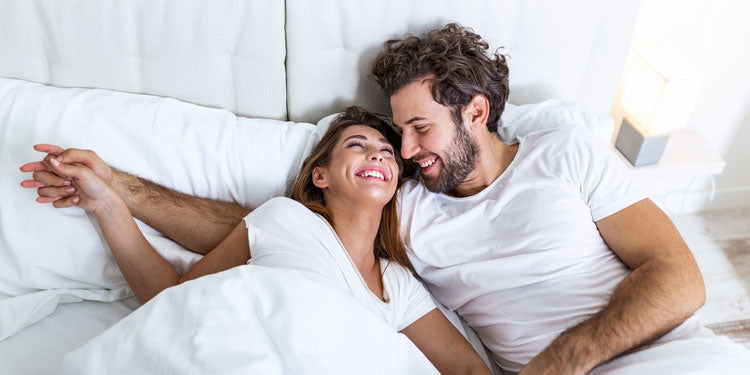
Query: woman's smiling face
point(362, 165)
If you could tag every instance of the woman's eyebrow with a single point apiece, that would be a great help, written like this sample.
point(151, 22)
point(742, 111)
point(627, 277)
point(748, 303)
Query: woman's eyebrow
point(362, 137)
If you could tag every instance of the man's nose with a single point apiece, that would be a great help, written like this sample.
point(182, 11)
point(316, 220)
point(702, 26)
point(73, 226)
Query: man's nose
point(409, 144)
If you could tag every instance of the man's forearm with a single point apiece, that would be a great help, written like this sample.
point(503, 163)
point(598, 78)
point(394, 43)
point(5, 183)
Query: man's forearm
point(198, 224)
point(648, 303)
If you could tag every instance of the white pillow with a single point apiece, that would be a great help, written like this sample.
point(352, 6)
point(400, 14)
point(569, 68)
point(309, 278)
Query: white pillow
point(519, 120)
point(196, 150)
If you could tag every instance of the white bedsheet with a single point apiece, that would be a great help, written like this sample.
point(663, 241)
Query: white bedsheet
point(37, 349)
point(250, 320)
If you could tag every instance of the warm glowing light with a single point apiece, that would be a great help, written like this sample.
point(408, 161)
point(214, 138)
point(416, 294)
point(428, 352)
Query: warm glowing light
point(661, 91)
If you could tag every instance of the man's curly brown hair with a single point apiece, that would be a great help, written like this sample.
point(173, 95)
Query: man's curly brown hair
point(457, 59)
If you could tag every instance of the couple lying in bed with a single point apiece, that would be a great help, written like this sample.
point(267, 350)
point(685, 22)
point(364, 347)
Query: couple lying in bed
point(544, 246)
point(347, 187)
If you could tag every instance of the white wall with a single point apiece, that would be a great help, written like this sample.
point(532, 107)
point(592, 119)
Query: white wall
point(715, 35)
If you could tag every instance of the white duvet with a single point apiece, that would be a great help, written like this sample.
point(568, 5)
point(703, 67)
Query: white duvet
point(250, 320)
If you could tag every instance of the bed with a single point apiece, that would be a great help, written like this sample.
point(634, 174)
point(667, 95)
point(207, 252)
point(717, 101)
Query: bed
point(241, 84)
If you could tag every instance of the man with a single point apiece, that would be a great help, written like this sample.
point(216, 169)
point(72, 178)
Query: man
point(543, 247)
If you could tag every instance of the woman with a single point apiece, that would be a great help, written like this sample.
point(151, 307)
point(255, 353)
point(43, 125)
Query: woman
point(341, 224)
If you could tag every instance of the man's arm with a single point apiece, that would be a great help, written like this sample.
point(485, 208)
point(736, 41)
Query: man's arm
point(198, 224)
point(664, 288)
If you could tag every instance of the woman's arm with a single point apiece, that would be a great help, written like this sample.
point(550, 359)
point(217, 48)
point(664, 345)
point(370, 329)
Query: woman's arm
point(444, 346)
point(203, 223)
point(146, 272)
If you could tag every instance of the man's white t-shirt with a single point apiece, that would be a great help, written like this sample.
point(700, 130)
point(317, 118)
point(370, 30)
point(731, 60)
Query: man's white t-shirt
point(522, 260)
point(284, 233)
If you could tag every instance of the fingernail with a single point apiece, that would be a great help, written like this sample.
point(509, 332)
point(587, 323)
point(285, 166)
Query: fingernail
point(59, 158)
point(66, 182)
point(76, 199)
point(55, 162)
point(70, 189)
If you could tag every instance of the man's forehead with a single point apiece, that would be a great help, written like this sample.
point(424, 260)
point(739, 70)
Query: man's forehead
point(414, 102)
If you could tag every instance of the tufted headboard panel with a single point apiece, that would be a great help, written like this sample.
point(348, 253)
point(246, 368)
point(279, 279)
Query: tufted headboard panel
point(558, 49)
point(221, 53)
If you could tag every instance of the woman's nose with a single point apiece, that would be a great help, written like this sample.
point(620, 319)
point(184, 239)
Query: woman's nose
point(376, 155)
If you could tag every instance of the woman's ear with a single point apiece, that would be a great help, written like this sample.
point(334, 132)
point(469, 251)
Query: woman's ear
point(320, 177)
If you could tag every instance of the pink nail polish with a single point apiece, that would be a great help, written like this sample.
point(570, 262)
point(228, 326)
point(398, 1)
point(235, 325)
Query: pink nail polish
point(70, 189)
point(66, 182)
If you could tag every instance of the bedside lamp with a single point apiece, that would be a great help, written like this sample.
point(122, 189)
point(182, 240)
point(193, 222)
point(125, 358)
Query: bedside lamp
point(659, 96)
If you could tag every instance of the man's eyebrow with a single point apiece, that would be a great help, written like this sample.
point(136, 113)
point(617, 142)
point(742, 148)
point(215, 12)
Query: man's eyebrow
point(415, 118)
point(362, 137)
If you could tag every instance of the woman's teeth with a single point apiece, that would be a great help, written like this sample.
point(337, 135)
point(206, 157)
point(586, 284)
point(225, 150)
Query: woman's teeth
point(372, 174)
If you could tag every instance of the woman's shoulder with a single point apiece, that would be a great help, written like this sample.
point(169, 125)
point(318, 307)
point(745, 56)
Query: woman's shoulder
point(397, 272)
point(280, 203)
point(283, 208)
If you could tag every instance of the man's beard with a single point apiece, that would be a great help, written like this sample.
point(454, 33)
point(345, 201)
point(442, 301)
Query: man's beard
point(459, 160)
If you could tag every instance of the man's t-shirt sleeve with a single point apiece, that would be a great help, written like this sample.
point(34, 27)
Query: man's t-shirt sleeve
point(605, 182)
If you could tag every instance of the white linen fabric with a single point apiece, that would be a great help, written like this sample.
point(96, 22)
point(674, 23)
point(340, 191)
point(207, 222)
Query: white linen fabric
point(519, 120)
point(529, 261)
point(50, 256)
point(39, 348)
point(283, 233)
point(250, 320)
point(228, 54)
point(701, 354)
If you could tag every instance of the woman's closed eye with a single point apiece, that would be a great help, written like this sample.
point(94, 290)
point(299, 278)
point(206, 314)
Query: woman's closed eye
point(387, 149)
point(355, 144)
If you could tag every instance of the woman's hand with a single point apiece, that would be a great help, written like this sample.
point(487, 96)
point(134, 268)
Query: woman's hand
point(53, 187)
point(88, 190)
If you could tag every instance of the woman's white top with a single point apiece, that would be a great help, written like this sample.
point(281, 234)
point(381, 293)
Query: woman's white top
point(284, 233)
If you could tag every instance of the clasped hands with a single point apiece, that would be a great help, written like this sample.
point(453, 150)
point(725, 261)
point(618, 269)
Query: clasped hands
point(71, 177)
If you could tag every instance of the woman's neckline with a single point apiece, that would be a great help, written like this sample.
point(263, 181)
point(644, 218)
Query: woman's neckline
point(381, 269)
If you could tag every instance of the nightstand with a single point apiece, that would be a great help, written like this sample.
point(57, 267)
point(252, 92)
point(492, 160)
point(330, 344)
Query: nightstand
point(684, 178)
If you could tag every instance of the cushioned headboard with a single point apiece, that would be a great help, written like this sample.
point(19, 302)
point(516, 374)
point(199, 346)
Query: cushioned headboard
point(221, 53)
point(558, 49)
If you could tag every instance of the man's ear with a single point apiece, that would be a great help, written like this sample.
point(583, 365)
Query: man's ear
point(477, 112)
point(320, 177)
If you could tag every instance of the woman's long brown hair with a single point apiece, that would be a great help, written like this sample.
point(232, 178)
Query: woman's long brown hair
point(388, 242)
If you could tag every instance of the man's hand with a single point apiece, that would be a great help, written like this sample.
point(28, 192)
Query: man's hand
point(54, 187)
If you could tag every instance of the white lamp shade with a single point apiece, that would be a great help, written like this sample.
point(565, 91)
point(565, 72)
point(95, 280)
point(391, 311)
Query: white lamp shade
point(661, 90)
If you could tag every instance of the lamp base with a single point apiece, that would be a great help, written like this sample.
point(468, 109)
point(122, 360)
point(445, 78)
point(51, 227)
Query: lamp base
point(638, 148)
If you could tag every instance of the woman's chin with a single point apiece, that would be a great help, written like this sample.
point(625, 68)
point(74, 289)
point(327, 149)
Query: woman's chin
point(375, 196)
